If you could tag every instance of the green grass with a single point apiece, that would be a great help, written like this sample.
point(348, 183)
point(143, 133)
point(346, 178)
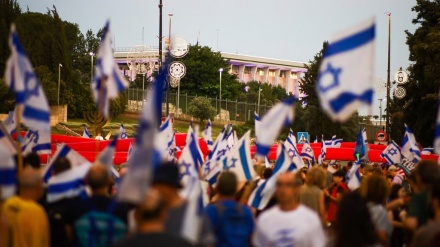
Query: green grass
point(130, 122)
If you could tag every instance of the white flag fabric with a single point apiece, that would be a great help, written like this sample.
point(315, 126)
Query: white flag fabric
point(122, 132)
point(64, 151)
point(7, 144)
point(67, 184)
point(207, 135)
point(307, 152)
point(8, 176)
point(36, 141)
point(264, 192)
point(144, 157)
point(257, 123)
point(410, 149)
point(392, 154)
point(108, 82)
point(437, 130)
point(354, 178)
point(192, 220)
point(210, 166)
point(86, 133)
point(10, 123)
point(239, 161)
point(345, 80)
point(321, 157)
point(22, 80)
point(281, 115)
point(106, 157)
point(165, 142)
point(295, 156)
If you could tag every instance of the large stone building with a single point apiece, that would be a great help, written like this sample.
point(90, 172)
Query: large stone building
point(285, 73)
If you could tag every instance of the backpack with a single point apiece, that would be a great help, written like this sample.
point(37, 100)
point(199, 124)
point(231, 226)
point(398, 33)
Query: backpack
point(99, 228)
point(234, 228)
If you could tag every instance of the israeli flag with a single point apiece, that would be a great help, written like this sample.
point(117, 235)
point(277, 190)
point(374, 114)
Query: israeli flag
point(108, 82)
point(410, 149)
point(8, 176)
point(345, 80)
point(64, 151)
point(6, 143)
point(360, 151)
point(264, 192)
point(106, 157)
point(316, 140)
point(29, 95)
point(321, 157)
point(307, 152)
point(10, 123)
point(165, 142)
point(122, 132)
point(144, 157)
point(257, 122)
point(290, 146)
point(188, 165)
point(190, 130)
point(86, 133)
point(329, 143)
point(67, 184)
point(281, 115)
point(192, 220)
point(392, 154)
point(437, 131)
point(36, 141)
point(239, 161)
point(130, 151)
point(354, 177)
point(207, 135)
point(214, 156)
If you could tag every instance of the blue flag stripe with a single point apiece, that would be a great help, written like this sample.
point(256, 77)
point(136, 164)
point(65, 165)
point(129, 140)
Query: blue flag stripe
point(345, 98)
point(62, 187)
point(244, 162)
point(352, 42)
point(36, 114)
point(8, 176)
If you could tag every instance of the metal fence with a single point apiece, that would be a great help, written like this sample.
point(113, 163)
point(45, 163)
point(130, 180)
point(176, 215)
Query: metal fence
point(232, 110)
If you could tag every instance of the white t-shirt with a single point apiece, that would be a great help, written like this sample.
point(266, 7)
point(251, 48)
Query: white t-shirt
point(299, 228)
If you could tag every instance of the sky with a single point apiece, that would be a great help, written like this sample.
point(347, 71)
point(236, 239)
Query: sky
point(283, 29)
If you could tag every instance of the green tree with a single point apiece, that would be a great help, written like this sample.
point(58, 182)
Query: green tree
point(420, 103)
point(9, 11)
point(200, 108)
point(315, 120)
point(202, 74)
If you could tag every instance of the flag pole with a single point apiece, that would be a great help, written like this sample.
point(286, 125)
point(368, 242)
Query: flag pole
point(18, 130)
point(5, 131)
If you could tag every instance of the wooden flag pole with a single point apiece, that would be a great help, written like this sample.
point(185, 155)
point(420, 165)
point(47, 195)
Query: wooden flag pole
point(18, 130)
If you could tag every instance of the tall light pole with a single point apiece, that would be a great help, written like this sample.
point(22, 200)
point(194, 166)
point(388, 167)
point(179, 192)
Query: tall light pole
point(387, 124)
point(92, 54)
point(220, 92)
point(380, 113)
point(168, 80)
point(59, 80)
point(259, 92)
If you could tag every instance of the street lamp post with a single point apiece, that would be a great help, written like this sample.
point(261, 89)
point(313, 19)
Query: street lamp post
point(380, 113)
point(259, 93)
point(59, 80)
point(387, 124)
point(92, 54)
point(168, 81)
point(220, 97)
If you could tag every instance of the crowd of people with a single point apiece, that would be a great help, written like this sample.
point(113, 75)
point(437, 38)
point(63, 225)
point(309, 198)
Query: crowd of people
point(310, 207)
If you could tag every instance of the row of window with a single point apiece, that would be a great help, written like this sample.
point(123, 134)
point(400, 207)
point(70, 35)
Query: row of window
point(260, 72)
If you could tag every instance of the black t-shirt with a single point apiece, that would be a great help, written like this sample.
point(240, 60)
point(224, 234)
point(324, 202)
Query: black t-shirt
point(153, 240)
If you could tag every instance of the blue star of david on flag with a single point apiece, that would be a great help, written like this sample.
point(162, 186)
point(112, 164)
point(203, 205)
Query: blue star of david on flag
point(334, 73)
point(184, 169)
point(392, 151)
point(231, 165)
point(308, 150)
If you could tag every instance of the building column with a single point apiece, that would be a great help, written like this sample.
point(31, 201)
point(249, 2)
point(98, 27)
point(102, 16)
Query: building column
point(253, 72)
point(277, 76)
point(241, 72)
point(266, 75)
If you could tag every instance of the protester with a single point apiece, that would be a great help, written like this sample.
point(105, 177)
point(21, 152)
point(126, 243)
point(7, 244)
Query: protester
point(429, 235)
point(289, 223)
point(166, 181)
point(353, 225)
point(397, 178)
point(312, 195)
point(426, 173)
point(32, 160)
point(375, 189)
point(334, 194)
point(99, 213)
point(24, 218)
point(233, 223)
point(329, 179)
point(60, 211)
point(397, 235)
point(99, 137)
point(150, 218)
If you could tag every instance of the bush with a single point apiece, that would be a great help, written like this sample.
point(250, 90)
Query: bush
point(201, 108)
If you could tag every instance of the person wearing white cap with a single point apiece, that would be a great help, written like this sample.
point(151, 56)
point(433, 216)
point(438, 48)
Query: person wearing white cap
point(397, 178)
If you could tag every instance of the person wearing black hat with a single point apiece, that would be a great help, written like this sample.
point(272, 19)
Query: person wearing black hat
point(167, 182)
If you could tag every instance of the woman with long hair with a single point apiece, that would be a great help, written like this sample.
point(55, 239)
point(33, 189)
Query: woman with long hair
point(353, 225)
